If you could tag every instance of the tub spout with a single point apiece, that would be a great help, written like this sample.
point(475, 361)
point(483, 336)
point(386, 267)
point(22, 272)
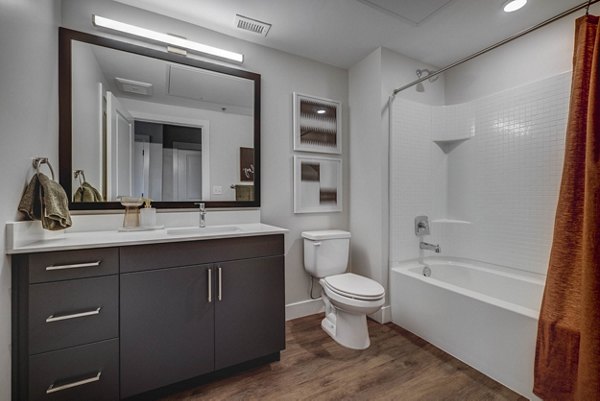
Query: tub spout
point(429, 247)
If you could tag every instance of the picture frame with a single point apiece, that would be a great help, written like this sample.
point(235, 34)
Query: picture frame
point(317, 124)
point(246, 164)
point(317, 184)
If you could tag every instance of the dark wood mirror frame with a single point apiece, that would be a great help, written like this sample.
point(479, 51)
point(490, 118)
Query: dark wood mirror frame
point(66, 36)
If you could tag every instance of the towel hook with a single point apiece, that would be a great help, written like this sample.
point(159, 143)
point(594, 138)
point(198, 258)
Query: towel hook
point(38, 161)
point(81, 175)
point(587, 8)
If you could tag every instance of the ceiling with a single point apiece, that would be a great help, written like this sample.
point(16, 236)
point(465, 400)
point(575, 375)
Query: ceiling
point(342, 32)
point(173, 84)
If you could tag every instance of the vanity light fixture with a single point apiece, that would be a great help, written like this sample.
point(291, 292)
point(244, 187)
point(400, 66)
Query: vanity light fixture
point(171, 40)
point(513, 5)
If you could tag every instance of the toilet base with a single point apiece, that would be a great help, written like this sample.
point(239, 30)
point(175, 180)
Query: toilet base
point(347, 329)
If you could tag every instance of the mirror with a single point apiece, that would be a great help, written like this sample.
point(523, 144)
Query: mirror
point(145, 123)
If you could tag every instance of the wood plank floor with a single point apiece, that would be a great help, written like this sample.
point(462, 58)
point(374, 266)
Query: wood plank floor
point(397, 366)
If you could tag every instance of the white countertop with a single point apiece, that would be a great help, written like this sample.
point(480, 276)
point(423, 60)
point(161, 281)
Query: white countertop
point(104, 239)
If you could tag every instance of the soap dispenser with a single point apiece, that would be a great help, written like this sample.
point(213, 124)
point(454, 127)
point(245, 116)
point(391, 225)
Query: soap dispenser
point(147, 214)
point(131, 220)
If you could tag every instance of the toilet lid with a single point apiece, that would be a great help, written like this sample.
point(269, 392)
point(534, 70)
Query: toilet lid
point(321, 235)
point(354, 286)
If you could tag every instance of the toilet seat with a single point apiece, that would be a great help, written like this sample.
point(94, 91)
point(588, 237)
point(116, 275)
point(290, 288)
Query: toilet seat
point(353, 286)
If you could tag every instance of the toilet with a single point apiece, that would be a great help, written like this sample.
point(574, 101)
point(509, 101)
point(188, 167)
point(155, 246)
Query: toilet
point(348, 297)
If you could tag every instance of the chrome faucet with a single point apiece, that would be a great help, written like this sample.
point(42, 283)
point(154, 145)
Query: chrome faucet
point(202, 209)
point(429, 247)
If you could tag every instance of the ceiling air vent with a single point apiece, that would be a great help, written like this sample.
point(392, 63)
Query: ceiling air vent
point(251, 25)
point(131, 86)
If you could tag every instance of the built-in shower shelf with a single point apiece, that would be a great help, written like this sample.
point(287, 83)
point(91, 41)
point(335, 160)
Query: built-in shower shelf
point(450, 221)
point(448, 145)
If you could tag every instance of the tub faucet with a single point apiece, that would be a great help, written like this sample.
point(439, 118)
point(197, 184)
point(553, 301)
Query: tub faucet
point(202, 222)
point(429, 247)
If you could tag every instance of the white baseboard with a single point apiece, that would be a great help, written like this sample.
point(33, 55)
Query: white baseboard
point(304, 308)
point(314, 306)
point(383, 315)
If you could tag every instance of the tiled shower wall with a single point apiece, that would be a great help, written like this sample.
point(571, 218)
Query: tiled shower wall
point(414, 162)
point(502, 183)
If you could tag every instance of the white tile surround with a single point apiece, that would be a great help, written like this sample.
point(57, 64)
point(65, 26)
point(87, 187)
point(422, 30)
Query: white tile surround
point(504, 180)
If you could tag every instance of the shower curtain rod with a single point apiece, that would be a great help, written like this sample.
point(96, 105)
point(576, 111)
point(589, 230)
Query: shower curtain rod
point(502, 42)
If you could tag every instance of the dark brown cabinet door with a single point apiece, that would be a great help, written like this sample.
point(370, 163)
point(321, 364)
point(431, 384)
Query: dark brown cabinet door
point(167, 327)
point(249, 310)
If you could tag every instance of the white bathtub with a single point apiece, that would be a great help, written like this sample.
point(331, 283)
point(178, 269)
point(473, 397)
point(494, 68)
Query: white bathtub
point(485, 315)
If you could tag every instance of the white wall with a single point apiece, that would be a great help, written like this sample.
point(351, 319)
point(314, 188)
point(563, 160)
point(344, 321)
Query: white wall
point(366, 168)
point(371, 82)
point(399, 70)
point(282, 74)
point(28, 124)
point(535, 56)
point(87, 104)
point(538, 67)
point(503, 181)
point(418, 169)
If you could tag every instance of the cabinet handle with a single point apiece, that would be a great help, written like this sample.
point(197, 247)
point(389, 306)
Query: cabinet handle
point(94, 378)
point(74, 266)
point(220, 284)
point(209, 285)
point(58, 318)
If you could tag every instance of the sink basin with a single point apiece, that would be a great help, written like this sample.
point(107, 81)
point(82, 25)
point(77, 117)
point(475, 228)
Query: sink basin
point(210, 230)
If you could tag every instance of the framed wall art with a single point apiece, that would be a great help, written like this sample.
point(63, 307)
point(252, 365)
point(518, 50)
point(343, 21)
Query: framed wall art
point(246, 164)
point(317, 124)
point(317, 184)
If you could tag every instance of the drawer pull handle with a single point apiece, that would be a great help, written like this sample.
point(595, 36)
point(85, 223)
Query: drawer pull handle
point(209, 285)
point(220, 295)
point(94, 378)
point(58, 318)
point(74, 266)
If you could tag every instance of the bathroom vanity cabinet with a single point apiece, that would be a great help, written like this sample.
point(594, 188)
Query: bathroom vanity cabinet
point(212, 304)
point(107, 324)
point(66, 325)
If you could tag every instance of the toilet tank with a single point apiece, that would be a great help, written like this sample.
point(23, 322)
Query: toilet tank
point(326, 252)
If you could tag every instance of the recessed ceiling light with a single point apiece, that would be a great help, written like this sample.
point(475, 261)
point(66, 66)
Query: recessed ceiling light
point(513, 5)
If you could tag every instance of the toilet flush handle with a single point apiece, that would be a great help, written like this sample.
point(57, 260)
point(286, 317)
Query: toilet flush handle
point(316, 243)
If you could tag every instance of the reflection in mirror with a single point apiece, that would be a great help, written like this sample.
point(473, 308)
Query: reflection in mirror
point(148, 127)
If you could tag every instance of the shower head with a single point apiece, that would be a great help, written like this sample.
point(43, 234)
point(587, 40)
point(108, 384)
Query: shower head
point(422, 71)
point(420, 87)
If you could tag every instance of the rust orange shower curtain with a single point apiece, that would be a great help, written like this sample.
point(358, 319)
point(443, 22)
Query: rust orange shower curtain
point(567, 363)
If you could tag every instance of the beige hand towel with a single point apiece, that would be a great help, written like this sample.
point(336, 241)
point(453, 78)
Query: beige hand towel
point(87, 193)
point(44, 199)
point(55, 204)
point(30, 201)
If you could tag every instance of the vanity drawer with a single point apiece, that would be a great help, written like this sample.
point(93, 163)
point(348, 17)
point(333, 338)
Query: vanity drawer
point(88, 372)
point(53, 266)
point(177, 254)
point(72, 312)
